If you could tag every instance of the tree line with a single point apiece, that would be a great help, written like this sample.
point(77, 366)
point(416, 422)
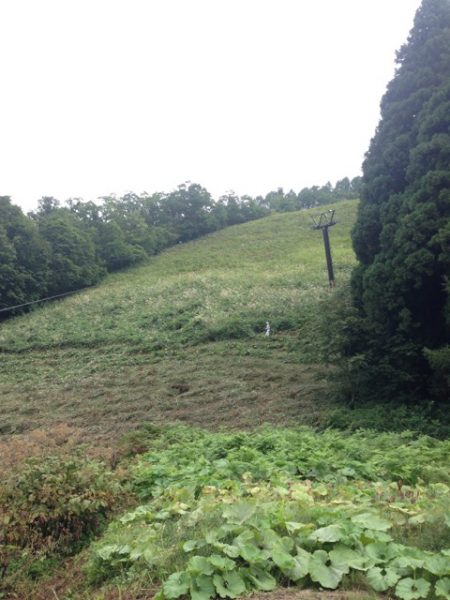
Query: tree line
point(63, 247)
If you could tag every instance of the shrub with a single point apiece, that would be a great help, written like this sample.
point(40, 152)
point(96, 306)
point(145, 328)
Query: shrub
point(53, 507)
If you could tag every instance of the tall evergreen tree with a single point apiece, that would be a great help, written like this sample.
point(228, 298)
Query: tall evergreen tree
point(402, 234)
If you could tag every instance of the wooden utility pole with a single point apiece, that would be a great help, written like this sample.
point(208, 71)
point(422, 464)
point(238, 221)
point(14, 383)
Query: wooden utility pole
point(325, 221)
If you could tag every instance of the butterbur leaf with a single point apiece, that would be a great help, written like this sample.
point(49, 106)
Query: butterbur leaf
point(301, 568)
point(381, 552)
point(344, 557)
point(438, 565)
point(199, 565)
point(377, 536)
point(221, 562)
point(408, 563)
point(382, 579)
point(282, 559)
point(220, 586)
point(292, 526)
point(176, 585)
point(190, 545)
point(322, 571)
point(213, 536)
point(262, 580)
point(246, 537)
point(371, 521)
point(252, 554)
point(228, 549)
point(239, 513)
point(270, 539)
point(230, 584)
point(411, 589)
point(332, 533)
point(202, 588)
point(443, 588)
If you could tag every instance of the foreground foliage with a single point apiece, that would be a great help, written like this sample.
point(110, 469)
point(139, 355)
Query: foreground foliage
point(225, 514)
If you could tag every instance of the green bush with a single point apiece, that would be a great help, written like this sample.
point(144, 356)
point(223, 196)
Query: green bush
point(52, 508)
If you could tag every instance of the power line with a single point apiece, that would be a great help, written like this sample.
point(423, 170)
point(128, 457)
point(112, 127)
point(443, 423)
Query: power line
point(41, 300)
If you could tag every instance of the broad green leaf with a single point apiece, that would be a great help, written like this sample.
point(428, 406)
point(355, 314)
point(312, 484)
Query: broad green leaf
point(381, 552)
point(247, 536)
point(262, 580)
point(438, 565)
point(301, 568)
point(287, 543)
point(221, 562)
point(372, 521)
point(176, 585)
point(407, 563)
point(344, 557)
point(190, 545)
point(252, 554)
point(213, 536)
point(293, 527)
point(332, 533)
point(443, 588)
point(199, 565)
point(228, 549)
point(382, 579)
point(411, 589)
point(202, 588)
point(239, 513)
point(230, 584)
point(322, 571)
point(270, 539)
point(377, 536)
point(220, 586)
point(282, 559)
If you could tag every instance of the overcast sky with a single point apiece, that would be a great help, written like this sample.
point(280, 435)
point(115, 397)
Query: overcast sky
point(110, 96)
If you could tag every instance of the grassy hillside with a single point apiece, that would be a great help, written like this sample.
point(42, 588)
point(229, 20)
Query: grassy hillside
point(229, 508)
point(182, 337)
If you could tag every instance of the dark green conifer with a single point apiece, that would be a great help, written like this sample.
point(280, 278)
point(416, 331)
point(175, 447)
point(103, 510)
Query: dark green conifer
point(402, 234)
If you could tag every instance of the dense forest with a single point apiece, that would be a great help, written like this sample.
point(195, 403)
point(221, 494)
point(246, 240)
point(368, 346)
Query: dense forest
point(398, 340)
point(59, 248)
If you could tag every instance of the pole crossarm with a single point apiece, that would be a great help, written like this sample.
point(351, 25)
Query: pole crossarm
point(326, 219)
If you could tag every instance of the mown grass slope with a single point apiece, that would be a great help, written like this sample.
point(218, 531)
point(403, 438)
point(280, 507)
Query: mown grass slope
point(182, 337)
point(203, 514)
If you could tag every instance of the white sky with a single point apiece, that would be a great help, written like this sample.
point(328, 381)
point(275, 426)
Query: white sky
point(110, 96)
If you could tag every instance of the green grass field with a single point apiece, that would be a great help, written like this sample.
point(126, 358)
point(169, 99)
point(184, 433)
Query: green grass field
point(182, 337)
